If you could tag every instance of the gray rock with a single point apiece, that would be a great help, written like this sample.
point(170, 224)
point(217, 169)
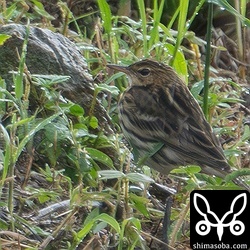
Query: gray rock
point(51, 53)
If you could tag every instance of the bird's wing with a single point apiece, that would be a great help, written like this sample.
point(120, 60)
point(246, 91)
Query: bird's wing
point(172, 117)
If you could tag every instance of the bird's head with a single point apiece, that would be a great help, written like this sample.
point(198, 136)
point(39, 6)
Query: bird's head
point(146, 72)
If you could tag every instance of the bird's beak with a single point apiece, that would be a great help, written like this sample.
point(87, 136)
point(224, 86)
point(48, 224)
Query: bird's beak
point(123, 69)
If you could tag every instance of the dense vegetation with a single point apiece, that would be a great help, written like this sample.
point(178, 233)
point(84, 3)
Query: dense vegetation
point(91, 170)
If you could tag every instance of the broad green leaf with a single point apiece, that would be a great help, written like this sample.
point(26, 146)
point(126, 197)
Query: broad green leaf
point(180, 64)
point(4, 225)
point(32, 132)
point(233, 152)
point(82, 233)
point(136, 222)
point(109, 220)
point(111, 89)
point(246, 134)
point(111, 79)
point(38, 7)
point(209, 179)
point(137, 177)
point(110, 174)
point(102, 217)
point(140, 204)
point(99, 227)
point(76, 110)
point(3, 38)
point(93, 122)
point(99, 156)
point(49, 80)
point(43, 198)
point(84, 163)
point(198, 86)
point(237, 173)
point(193, 169)
point(57, 130)
point(81, 131)
point(188, 169)
point(91, 216)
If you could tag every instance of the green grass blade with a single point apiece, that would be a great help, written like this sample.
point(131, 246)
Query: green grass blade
point(197, 9)
point(32, 132)
point(141, 7)
point(102, 217)
point(225, 5)
point(181, 27)
point(207, 63)
point(174, 17)
point(154, 34)
point(106, 15)
point(6, 156)
point(19, 78)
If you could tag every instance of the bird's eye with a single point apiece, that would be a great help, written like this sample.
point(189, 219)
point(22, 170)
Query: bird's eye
point(144, 72)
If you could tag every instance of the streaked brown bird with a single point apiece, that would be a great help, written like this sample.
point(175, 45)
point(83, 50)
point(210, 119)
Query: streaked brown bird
point(164, 123)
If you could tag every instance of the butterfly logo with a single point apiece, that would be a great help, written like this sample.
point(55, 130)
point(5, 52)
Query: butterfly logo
point(203, 227)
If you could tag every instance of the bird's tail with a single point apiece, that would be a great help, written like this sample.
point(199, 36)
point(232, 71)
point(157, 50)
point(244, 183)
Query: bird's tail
point(241, 183)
